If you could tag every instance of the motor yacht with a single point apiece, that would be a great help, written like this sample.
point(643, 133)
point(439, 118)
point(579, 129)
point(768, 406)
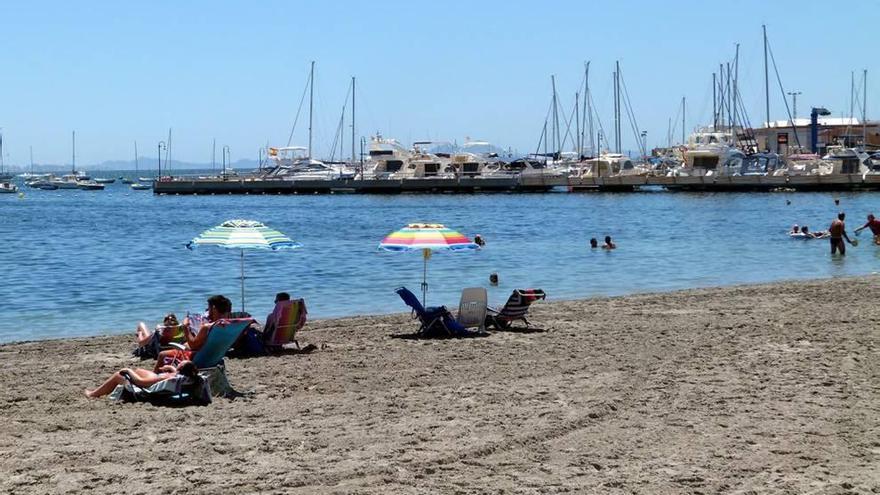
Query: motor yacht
point(709, 153)
point(292, 163)
point(386, 158)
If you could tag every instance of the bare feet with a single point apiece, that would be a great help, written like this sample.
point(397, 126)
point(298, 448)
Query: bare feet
point(90, 394)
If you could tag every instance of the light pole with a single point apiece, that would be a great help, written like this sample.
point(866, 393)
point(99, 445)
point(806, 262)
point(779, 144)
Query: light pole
point(160, 147)
point(794, 95)
point(645, 144)
point(225, 151)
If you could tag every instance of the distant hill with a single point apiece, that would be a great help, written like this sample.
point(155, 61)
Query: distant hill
point(143, 164)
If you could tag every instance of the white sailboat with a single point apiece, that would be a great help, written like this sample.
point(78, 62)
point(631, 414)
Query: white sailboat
point(138, 186)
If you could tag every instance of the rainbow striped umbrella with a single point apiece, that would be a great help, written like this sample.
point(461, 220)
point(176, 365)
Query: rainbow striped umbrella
point(426, 237)
point(243, 234)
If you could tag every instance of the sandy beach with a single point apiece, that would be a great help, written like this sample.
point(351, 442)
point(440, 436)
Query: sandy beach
point(751, 389)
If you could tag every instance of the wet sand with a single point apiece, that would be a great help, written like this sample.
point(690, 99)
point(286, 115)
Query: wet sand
point(751, 389)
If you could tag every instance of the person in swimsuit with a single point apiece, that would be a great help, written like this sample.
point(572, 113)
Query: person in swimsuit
point(219, 308)
point(872, 224)
point(168, 331)
point(608, 244)
point(838, 234)
point(141, 377)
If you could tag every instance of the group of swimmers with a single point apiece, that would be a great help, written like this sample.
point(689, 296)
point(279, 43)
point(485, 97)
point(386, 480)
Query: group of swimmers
point(609, 244)
point(836, 233)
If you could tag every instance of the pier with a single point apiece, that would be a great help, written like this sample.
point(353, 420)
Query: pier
point(514, 184)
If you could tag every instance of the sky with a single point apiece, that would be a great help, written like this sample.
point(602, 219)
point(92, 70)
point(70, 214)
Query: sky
point(120, 72)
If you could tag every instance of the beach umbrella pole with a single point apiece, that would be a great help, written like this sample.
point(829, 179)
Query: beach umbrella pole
point(242, 280)
point(426, 253)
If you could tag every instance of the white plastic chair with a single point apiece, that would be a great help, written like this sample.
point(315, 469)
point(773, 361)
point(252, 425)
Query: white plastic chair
point(472, 308)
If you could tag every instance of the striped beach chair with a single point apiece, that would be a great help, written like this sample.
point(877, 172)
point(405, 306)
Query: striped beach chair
point(516, 308)
point(289, 318)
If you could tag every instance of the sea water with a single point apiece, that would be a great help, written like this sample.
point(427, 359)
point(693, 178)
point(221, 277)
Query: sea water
point(95, 262)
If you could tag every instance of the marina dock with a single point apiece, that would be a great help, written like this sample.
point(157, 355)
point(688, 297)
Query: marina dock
point(514, 184)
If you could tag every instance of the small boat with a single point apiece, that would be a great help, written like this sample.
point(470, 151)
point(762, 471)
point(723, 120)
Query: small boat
point(104, 180)
point(145, 179)
point(8, 188)
point(141, 187)
point(127, 181)
point(47, 186)
point(89, 185)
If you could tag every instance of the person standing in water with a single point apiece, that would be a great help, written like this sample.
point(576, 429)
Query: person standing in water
point(838, 234)
point(872, 224)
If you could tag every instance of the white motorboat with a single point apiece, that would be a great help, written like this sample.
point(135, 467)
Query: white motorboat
point(8, 188)
point(711, 153)
point(387, 157)
point(846, 160)
point(292, 163)
point(141, 187)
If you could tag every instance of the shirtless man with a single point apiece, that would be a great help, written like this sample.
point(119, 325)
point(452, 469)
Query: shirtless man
point(838, 234)
point(874, 225)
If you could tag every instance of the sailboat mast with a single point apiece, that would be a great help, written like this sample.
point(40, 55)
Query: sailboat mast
point(311, 104)
point(213, 154)
point(136, 159)
point(729, 101)
point(714, 103)
point(73, 140)
point(352, 120)
point(555, 116)
point(864, 109)
point(683, 108)
point(735, 90)
point(589, 111)
point(31, 149)
point(617, 105)
point(721, 95)
point(577, 123)
point(766, 81)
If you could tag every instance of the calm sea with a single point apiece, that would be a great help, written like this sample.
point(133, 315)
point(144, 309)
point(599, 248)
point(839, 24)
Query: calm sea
point(85, 263)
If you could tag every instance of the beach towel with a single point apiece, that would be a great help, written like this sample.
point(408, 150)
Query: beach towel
point(179, 390)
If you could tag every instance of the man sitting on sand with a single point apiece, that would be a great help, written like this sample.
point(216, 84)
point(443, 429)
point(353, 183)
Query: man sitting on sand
point(219, 308)
point(872, 224)
point(142, 378)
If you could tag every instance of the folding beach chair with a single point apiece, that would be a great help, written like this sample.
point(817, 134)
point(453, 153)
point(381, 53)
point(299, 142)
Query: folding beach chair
point(435, 321)
point(175, 391)
point(472, 308)
point(516, 308)
point(222, 336)
point(289, 318)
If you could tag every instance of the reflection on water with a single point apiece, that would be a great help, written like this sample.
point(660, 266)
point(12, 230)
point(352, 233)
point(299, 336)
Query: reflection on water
point(80, 262)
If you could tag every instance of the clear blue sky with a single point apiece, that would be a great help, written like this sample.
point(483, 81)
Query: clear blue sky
point(122, 71)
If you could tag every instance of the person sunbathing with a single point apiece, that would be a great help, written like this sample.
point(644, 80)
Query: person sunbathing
point(219, 308)
point(169, 330)
point(142, 378)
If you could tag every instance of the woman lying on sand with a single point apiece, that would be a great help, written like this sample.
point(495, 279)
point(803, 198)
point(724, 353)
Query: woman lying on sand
point(142, 378)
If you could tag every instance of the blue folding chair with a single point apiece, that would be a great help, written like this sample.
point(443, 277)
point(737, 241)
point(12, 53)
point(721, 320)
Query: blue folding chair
point(434, 319)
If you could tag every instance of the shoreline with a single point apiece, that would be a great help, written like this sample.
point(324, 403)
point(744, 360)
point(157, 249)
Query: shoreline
point(748, 388)
point(454, 309)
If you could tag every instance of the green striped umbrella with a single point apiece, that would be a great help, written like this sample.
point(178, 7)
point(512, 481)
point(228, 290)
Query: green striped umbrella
point(241, 235)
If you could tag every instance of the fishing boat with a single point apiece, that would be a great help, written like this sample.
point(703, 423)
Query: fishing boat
point(8, 188)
